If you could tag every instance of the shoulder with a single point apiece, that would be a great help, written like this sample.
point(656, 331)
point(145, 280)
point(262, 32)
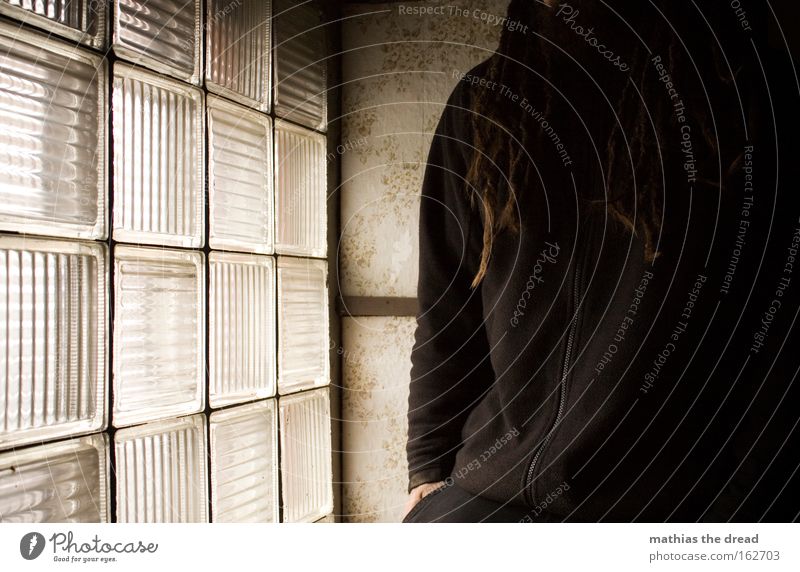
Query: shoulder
point(457, 115)
point(471, 82)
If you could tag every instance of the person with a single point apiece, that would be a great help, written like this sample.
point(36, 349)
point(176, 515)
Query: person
point(607, 287)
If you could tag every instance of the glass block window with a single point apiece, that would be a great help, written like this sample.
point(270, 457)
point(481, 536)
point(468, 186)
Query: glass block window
point(238, 50)
point(158, 159)
point(166, 349)
point(162, 35)
point(52, 136)
point(242, 328)
point(302, 334)
point(306, 456)
point(65, 481)
point(83, 21)
point(301, 195)
point(53, 315)
point(161, 471)
point(240, 175)
point(300, 63)
point(159, 334)
point(244, 463)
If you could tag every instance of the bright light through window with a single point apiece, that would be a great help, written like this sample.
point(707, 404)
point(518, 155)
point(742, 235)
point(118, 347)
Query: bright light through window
point(163, 272)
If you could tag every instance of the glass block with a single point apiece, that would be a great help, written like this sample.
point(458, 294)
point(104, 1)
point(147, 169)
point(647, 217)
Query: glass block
point(306, 474)
point(244, 463)
point(239, 178)
point(241, 328)
point(82, 21)
point(52, 137)
point(159, 334)
point(301, 197)
point(65, 481)
point(238, 50)
point(303, 346)
point(53, 312)
point(161, 471)
point(158, 160)
point(161, 35)
point(301, 64)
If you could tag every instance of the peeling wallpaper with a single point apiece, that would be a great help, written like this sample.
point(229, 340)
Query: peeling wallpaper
point(397, 74)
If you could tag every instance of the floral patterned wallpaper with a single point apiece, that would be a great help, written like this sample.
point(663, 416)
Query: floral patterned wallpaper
point(398, 70)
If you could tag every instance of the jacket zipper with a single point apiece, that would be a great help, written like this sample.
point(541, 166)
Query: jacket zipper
point(562, 386)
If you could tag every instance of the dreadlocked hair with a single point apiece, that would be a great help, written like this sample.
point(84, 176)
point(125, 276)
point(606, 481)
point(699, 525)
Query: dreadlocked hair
point(640, 149)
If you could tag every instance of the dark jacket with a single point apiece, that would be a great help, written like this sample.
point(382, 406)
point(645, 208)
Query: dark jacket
point(580, 380)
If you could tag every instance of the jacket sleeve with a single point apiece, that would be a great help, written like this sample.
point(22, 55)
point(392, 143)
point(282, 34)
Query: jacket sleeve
point(450, 366)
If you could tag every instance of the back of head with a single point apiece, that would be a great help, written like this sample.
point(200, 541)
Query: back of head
point(623, 77)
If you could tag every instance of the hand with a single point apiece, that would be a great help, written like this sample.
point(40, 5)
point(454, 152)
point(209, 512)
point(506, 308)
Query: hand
point(417, 493)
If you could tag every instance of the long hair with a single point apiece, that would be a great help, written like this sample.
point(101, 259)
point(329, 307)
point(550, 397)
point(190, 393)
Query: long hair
point(696, 45)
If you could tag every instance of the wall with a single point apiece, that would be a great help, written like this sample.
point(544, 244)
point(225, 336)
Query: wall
point(398, 70)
